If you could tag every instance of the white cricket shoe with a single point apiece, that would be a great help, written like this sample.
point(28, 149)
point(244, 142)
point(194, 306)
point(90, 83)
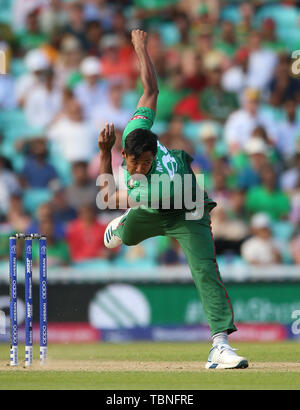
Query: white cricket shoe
point(224, 357)
point(111, 240)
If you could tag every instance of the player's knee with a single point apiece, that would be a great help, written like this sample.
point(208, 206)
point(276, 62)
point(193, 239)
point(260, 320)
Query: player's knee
point(129, 241)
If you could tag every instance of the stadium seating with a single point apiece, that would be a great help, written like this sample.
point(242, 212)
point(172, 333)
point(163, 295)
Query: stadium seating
point(6, 11)
point(33, 198)
point(284, 15)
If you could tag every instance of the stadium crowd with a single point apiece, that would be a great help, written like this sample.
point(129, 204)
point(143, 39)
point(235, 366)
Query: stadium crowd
point(227, 96)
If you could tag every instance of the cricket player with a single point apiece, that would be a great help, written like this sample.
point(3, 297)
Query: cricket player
point(144, 156)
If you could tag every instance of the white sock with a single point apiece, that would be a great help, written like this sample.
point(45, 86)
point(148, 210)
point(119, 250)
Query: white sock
point(220, 339)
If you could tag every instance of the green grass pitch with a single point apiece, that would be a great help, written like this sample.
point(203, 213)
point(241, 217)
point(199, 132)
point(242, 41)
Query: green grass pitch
point(153, 366)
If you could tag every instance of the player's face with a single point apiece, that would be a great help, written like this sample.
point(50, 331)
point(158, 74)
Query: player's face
point(140, 165)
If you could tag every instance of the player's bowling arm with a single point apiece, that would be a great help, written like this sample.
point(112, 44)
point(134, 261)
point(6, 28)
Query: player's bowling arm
point(148, 74)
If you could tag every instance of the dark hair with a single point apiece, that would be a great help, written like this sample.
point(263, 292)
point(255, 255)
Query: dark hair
point(92, 23)
point(82, 164)
point(139, 141)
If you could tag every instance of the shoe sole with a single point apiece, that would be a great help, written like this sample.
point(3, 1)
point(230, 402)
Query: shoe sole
point(243, 364)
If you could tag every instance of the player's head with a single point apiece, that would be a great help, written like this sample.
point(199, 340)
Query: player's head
point(139, 151)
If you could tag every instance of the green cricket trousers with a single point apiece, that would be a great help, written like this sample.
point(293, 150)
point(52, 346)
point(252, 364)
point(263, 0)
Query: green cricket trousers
point(196, 240)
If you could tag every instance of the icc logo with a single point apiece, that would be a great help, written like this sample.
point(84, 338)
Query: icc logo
point(14, 249)
point(43, 250)
point(296, 323)
point(295, 67)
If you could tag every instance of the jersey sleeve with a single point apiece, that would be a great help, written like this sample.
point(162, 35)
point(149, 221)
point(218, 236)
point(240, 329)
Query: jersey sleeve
point(142, 118)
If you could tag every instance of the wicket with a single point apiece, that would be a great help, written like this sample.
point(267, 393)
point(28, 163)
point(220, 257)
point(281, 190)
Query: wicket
point(28, 298)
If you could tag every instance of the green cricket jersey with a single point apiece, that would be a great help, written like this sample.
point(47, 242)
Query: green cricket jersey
point(167, 162)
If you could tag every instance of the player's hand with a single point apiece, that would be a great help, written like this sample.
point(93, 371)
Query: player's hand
point(107, 138)
point(139, 39)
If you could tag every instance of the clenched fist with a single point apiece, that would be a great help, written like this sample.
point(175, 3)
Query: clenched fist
point(139, 39)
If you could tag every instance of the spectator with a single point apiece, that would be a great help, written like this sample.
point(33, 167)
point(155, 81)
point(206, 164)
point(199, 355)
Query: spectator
point(5, 232)
point(209, 151)
point(67, 98)
point(295, 205)
point(117, 60)
point(62, 211)
point(173, 255)
point(38, 172)
point(215, 102)
point(295, 247)
point(85, 236)
point(235, 78)
point(76, 23)
point(245, 25)
point(229, 232)
point(16, 217)
point(257, 151)
point(7, 36)
point(68, 62)
point(172, 90)
point(269, 37)
point(156, 49)
point(288, 131)
point(57, 250)
point(44, 215)
point(189, 108)
point(283, 86)
point(262, 63)
point(204, 47)
point(261, 248)
point(267, 197)
point(193, 72)
point(182, 22)
point(291, 178)
point(21, 9)
point(83, 190)
point(44, 102)
point(210, 10)
point(170, 72)
point(94, 34)
point(109, 109)
point(7, 92)
point(9, 185)
point(182, 50)
point(37, 64)
point(92, 91)
point(227, 42)
point(119, 25)
point(53, 18)
point(32, 36)
point(101, 10)
point(73, 136)
point(236, 209)
point(241, 123)
point(220, 191)
point(153, 12)
point(174, 138)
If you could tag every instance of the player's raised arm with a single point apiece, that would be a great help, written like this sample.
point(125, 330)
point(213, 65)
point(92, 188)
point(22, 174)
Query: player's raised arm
point(148, 74)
